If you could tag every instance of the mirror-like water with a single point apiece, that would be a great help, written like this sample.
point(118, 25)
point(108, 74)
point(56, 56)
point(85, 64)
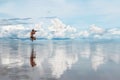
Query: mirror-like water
point(59, 60)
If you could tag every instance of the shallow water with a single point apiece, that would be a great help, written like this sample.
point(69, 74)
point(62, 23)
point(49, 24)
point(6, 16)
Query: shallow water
point(59, 60)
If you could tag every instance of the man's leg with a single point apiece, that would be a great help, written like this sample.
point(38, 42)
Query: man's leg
point(34, 38)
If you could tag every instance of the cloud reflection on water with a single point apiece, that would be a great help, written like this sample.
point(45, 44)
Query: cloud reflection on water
point(61, 61)
point(53, 59)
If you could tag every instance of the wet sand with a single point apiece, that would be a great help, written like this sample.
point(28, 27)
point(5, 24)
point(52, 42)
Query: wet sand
point(59, 60)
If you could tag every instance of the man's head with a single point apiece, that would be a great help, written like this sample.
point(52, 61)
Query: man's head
point(34, 30)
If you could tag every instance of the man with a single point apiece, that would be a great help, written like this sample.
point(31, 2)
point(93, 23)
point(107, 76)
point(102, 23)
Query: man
point(32, 37)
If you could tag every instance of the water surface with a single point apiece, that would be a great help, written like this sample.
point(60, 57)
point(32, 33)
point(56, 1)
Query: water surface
point(59, 60)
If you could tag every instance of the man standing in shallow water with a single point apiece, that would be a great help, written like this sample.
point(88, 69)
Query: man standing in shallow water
point(32, 37)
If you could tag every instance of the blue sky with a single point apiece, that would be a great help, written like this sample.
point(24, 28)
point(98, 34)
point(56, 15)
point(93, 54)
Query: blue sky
point(79, 13)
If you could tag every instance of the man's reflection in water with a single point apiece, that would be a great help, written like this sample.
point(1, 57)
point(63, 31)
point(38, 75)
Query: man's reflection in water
point(32, 57)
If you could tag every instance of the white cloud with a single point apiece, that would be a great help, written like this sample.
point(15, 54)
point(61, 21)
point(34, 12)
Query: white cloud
point(59, 29)
point(55, 28)
point(114, 31)
point(96, 29)
point(70, 29)
point(97, 36)
point(84, 33)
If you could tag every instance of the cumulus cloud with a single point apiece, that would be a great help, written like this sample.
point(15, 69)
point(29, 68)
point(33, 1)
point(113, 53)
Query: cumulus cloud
point(97, 36)
point(84, 33)
point(70, 29)
point(55, 28)
point(59, 29)
point(96, 29)
point(114, 31)
point(15, 31)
